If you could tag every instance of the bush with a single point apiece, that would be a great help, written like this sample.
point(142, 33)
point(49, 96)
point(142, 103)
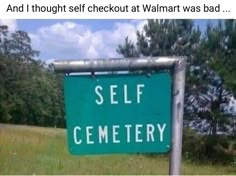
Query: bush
point(193, 146)
point(215, 149)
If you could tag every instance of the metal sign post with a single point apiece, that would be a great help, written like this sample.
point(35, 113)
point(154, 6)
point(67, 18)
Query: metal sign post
point(177, 116)
point(177, 66)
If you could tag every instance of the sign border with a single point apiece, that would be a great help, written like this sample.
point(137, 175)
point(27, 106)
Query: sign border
point(159, 82)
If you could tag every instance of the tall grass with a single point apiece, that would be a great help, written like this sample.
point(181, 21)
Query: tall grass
point(36, 150)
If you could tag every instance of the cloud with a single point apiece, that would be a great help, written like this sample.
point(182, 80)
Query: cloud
point(69, 40)
point(12, 24)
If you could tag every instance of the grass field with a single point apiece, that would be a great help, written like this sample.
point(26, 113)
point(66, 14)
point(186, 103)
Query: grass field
point(36, 150)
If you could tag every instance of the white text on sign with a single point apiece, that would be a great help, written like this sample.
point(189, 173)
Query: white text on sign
point(113, 92)
point(152, 133)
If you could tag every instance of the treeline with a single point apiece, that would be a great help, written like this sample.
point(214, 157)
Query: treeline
point(30, 92)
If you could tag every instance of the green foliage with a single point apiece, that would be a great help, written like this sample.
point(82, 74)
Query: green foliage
point(30, 92)
point(220, 44)
point(215, 77)
point(128, 49)
point(214, 149)
point(162, 38)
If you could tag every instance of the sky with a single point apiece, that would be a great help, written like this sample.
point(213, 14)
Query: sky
point(75, 39)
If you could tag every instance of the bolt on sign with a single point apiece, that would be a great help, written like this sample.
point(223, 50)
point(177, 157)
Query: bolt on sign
point(118, 113)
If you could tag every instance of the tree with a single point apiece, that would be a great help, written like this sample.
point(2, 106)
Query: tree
point(128, 49)
point(182, 38)
point(15, 53)
point(220, 41)
point(217, 51)
point(30, 91)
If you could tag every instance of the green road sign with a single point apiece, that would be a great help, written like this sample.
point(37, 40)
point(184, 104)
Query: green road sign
point(125, 113)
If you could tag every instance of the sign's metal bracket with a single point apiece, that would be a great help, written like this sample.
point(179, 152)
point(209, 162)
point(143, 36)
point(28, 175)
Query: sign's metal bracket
point(93, 75)
point(149, 69)
point(123, 64)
